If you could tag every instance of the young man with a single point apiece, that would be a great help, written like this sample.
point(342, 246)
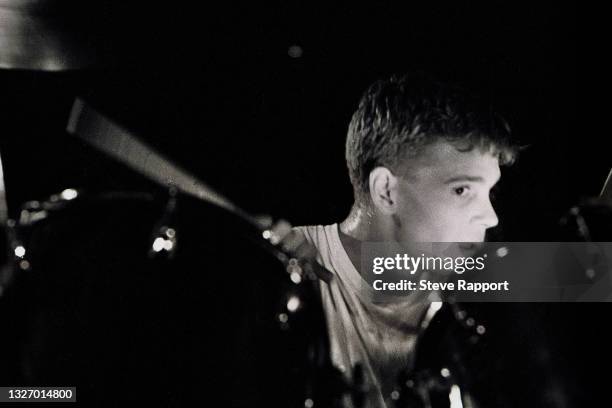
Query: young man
point(422, 158)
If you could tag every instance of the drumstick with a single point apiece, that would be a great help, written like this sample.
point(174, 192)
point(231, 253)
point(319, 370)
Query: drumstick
point(606, 191)
point(102, 133)
point(3, 203)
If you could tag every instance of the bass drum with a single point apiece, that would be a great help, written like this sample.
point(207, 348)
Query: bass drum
point(164, 302)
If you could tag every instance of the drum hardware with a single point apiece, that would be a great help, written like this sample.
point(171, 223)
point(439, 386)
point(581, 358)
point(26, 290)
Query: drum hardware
point(90, 252)
point(441, 380)
point(164, 235)
point(31, 213)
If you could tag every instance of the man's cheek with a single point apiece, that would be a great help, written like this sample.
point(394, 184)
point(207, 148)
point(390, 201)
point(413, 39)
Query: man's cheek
point(451, 228)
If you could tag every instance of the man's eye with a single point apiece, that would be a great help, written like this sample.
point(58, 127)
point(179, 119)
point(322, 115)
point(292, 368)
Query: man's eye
point(461, 191)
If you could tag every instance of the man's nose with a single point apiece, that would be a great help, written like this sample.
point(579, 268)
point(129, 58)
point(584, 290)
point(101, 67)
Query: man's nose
point(487, 216)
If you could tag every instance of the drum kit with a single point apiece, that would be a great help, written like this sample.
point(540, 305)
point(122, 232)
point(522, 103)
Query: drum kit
point(179, 299)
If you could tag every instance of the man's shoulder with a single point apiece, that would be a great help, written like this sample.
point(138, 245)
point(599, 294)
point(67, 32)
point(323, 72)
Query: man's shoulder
point(314, 233)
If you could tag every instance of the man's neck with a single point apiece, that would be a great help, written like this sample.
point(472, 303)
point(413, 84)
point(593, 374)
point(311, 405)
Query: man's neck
point(360, 225)
point(366, 224)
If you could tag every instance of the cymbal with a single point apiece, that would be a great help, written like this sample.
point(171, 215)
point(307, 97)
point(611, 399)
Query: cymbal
point(35, 35)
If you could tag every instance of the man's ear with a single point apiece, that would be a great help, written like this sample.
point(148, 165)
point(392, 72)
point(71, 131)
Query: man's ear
point(383, 190)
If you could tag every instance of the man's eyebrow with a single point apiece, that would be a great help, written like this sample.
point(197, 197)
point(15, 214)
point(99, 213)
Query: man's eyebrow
point(464, 178)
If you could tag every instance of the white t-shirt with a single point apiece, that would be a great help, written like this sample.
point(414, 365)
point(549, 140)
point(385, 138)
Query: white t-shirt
point(379, 337)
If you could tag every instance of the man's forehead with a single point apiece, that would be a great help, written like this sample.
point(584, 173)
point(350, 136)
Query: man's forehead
point(442, 160)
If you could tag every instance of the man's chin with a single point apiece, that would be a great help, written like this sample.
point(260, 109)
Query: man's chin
point(477, 239)
point(470, 248)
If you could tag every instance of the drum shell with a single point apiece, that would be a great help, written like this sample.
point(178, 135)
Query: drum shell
point(99, 309)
